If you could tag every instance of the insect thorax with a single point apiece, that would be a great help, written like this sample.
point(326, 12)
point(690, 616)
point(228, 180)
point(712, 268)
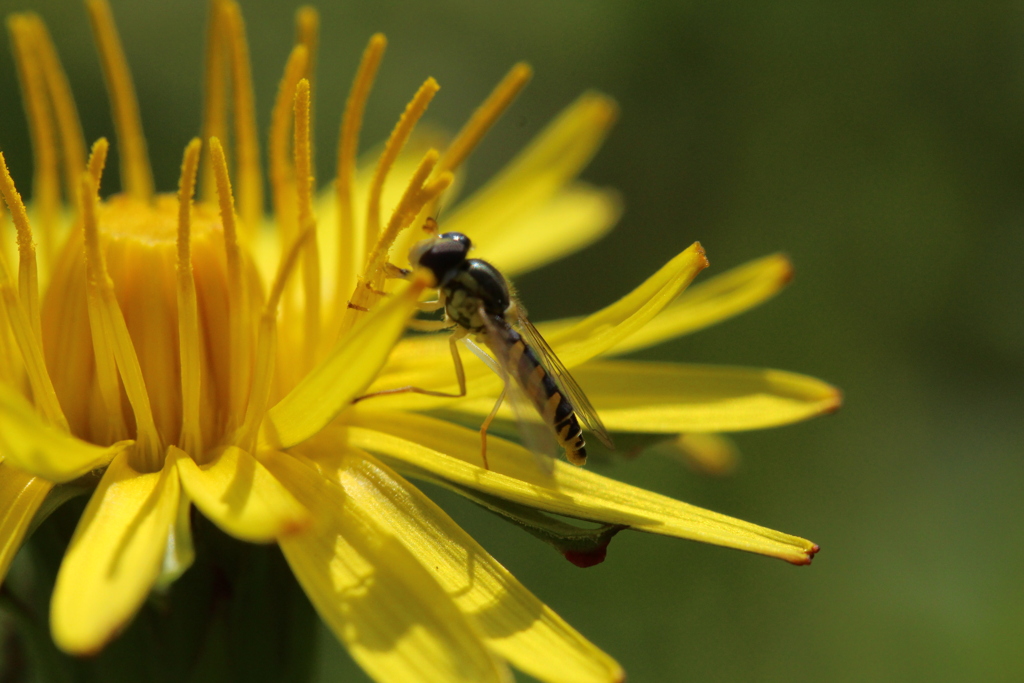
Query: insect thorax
point(475, 284)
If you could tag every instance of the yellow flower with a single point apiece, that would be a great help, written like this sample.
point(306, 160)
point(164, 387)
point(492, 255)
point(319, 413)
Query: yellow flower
point(173, 353)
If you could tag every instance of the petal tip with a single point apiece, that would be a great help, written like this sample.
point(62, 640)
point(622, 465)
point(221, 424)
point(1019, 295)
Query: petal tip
point(78, 642)
point(701, 254)
point(523, 71)
point(786, 270)
point(76, 649)
point(422, 279)
point(834, 402)
point(808, 556)
point(295, 525)
point(605, 110)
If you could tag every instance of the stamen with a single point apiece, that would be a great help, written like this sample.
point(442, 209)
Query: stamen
point(280, 122)
point(69, 127)
point(107, 379)
point(474, 131)
point(307, 34)
point(188, 314)
point(399, 135)
point(28, 274)
point(304, 197)
point(46, 183)
point(24, 327)
point(348, 146)
point(417, 194)
point(105, 312)
point(98, 161)
point(375, 262)
point(215, 98)
point(238, 340)
point(247, 149)
point(266, 348)
point(136, 175)
point(485, 116)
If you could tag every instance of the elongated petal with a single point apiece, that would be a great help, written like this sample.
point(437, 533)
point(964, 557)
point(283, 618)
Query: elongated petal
point(571, 220)
point(608, 327)
point(422, 364)
point(441, 449)
point(393, 617)
point(669, 398)
point(29, 443)
point(115, 555)
point(712, 454)
point(514, 623)
point(714, 300)
point(181, 549)
point(551, 160)
point(342, 376)
point(21, 494)
point(702, 305)
point(240, 496)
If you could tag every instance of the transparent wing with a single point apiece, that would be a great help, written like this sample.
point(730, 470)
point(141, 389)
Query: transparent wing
point(584, 410)
point(537, 436)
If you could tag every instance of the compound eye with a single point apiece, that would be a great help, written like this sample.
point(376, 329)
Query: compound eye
point(419, 249)
point(458, 238)
point(441, 254)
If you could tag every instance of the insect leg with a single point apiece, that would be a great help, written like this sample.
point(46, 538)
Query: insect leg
point(430, 325)
point(429, 306)
point(460, 374)
point(487, 423)
point(393, 272)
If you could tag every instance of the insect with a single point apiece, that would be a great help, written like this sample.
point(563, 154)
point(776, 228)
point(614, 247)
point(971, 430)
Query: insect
point(478, 301)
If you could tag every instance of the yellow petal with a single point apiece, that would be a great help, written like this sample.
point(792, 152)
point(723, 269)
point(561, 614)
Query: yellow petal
point(424, 364)
point(668, 398)
point(239, 495)
point(21, 494)
point(342, 376)
point(551, 160)
point(711, 454)
point(28, 442)
point(390, 613)
point(449, 452)
point(115, 555)
point(181, 550)
point(713, 301)
point(571, 220)
point(514, 623)
point(605, 329)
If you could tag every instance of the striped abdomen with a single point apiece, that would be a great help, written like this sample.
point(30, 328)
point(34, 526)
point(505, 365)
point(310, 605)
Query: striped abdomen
point(522, 363)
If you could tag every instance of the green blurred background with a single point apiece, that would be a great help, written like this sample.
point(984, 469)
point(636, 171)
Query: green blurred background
point(881, 145)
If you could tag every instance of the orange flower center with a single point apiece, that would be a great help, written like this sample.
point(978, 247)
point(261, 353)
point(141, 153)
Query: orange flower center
point(139, 244)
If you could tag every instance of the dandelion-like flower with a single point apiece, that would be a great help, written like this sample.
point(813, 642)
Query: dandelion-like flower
point(175, 352)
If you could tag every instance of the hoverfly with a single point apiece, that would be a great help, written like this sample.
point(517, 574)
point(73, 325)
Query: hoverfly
point(478, 301)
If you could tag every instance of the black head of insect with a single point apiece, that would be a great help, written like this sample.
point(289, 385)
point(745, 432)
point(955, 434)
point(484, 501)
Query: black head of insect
point(441, 254)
